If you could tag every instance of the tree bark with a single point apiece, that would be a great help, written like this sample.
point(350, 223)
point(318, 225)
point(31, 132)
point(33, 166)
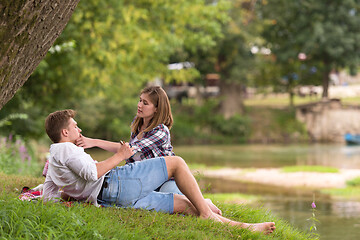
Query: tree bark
point(325, 81)
point(28, 28)
point(232, 96)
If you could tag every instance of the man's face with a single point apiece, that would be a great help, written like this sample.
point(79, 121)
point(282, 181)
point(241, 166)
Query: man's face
point(73, 130)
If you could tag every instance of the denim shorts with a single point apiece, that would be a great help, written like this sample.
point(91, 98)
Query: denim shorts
point(133, 186)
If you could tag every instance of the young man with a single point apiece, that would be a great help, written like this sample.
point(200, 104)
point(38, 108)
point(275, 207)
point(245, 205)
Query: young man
point(73, 173)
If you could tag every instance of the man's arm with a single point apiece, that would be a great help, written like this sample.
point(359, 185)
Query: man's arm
point(124, 152)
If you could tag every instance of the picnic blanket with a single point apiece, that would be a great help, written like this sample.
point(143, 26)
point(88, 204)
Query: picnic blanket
point(29, 194)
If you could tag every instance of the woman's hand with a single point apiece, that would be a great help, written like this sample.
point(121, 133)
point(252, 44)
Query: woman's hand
point(84, 142)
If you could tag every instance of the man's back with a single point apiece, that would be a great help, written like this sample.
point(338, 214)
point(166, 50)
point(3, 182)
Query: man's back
point(72, 171)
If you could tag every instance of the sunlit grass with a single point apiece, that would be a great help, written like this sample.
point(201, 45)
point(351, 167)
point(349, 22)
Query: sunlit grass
point(351, 100)
point(35, 220)
point(284, 101)
point(347, 192)
point(319, 169)
point(231, 197)
point(200, 166)
point(353, 182)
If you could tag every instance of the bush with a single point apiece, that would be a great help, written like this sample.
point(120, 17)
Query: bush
point(202, 124)
point(17, 158)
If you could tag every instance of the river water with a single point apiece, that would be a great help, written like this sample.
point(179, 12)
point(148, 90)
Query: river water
point(339, 218)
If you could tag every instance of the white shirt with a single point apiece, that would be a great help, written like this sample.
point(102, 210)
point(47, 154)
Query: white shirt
point(72, 171)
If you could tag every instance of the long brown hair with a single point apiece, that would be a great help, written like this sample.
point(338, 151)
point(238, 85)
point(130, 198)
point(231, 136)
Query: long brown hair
point(163, 115)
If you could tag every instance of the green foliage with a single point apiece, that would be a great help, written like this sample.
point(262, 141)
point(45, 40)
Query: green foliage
point(106, 54)
point(7, 120)
point(275, 125)
point(354, 182)
point(202, 124)
point(327, 32)
point(307, 168)
point(17, 157)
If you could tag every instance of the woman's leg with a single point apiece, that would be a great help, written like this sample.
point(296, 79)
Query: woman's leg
point(171, 187)
point(183, 205)
point(187, 184)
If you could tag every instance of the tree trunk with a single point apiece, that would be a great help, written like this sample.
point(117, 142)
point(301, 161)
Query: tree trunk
point(232, 95)
point(28, 28)
point(325, 83)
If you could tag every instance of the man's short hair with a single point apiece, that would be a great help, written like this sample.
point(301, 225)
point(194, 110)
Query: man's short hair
point(55, 122)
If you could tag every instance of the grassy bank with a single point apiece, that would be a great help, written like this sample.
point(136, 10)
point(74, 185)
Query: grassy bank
point(203, 124)
point(34, 220)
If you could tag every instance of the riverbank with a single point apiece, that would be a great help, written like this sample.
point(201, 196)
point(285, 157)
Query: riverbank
point(77, 222)
point(276, 177)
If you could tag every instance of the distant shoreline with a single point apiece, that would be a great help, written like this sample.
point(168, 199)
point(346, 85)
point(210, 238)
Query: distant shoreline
point(275, 177)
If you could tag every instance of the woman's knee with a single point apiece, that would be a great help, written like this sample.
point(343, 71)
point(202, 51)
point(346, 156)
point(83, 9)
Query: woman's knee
point(174, 161)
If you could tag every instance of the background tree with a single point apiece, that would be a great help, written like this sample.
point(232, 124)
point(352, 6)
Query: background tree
point(106, 54)
point(326, 31)
point(231, 57)
point(27, 31)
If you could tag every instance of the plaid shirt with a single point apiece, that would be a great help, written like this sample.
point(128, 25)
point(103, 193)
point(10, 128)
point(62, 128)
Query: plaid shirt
point(155, 143)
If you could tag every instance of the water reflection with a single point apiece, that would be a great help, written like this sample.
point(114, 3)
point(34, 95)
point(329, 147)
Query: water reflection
point(339, 219)
point(264, 156)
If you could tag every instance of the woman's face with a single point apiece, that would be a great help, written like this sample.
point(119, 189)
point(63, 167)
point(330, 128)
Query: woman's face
point(146, 109)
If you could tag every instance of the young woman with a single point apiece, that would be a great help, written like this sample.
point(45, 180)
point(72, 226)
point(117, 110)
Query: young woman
point(150, 131)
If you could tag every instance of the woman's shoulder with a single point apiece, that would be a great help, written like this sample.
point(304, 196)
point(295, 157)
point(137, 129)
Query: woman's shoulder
point(160, 130)
point(161, 127)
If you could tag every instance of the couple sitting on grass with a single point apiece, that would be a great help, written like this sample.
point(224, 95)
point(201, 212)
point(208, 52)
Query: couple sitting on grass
point(72, 173)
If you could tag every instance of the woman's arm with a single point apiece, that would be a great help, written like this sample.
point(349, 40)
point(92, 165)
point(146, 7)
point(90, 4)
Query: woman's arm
point(86, 142)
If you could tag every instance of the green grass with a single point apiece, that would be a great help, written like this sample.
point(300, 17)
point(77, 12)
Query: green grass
point(283, 100)
point(353, 182)
point(35, 220)
point(343, 193)
point(201, 166)
point(351, 191)
point(319, 169)
point(351, 100)
point(231, 197)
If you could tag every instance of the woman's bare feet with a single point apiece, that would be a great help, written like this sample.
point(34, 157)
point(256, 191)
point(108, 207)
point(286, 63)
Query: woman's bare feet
point(212, 216)
point(212, 206)
point(265, 227)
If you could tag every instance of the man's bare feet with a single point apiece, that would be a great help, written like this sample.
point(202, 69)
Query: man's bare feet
point(265, 227)
point(212, 206)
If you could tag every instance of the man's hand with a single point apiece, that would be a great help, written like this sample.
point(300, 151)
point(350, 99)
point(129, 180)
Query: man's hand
point(84, 142)
point(125, 151)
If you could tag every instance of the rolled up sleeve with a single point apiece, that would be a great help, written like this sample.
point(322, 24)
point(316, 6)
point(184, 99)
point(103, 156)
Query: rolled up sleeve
point(84, 166)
